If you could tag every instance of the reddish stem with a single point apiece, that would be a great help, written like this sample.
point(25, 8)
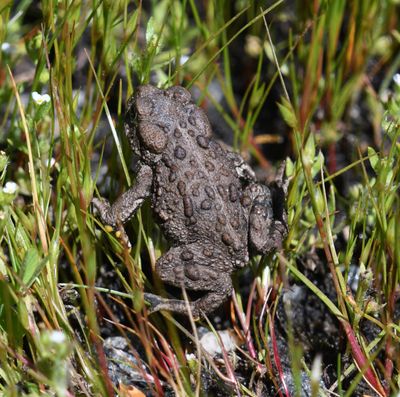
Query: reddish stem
point(276, 357)
point(361, 361)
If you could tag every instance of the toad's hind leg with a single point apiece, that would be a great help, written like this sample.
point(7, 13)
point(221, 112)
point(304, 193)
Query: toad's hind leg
point(193, 267)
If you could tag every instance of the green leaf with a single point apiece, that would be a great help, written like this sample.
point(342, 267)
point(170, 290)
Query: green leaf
point(318, 161)
point(373, 159)
point(288, 113)
point(31, 267)
point(309, 152)
point(290, 168)
point(3, 161)
point(42, 111)
point(151, 37)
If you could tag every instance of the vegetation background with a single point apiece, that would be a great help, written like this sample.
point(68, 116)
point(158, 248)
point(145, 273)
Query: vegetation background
point(315, 82)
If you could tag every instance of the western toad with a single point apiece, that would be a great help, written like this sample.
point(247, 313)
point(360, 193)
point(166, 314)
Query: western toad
point(205, 197)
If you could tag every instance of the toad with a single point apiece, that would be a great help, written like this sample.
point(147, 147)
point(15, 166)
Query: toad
point(206, 199)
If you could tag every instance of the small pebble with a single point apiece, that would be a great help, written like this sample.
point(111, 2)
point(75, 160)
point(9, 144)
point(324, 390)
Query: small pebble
point(212, 345)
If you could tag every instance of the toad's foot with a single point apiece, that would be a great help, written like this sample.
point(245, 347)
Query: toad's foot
point(158, 303)
point(104, 209)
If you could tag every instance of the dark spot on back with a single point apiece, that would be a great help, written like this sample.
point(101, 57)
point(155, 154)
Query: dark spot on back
point(187, 206)
point(209, 191)
point(182, 188)
point(203, 141)
point(180, 152)
point(233, 192)
point(206, 204)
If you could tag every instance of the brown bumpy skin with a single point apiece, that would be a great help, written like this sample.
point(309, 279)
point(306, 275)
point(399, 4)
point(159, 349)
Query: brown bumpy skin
point(205, 198)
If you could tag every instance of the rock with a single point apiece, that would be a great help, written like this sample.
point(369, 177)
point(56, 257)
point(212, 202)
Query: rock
point(123, 367)
point(212, 344)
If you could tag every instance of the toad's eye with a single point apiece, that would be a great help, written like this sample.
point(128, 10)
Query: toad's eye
point(144, 106)
point(180, 94)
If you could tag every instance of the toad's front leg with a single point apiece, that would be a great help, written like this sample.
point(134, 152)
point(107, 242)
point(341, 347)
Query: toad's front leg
point(128, 203)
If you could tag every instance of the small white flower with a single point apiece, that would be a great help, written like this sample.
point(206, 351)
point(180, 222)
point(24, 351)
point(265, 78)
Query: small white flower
point(190, 357)
point(253, 46)
point(266, 277)
point(396, 79)
point(40, 99)
point(385, 95)
point(316, 370)
point(10, 188)
point(182, 60)
point(57, 337)
point(285, 69)
point(51, 162)
point(5, 47)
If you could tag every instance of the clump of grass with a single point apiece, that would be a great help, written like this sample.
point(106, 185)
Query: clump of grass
point(84, 60)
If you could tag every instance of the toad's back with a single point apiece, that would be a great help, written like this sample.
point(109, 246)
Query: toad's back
point(197, 194)
point(196, 189)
